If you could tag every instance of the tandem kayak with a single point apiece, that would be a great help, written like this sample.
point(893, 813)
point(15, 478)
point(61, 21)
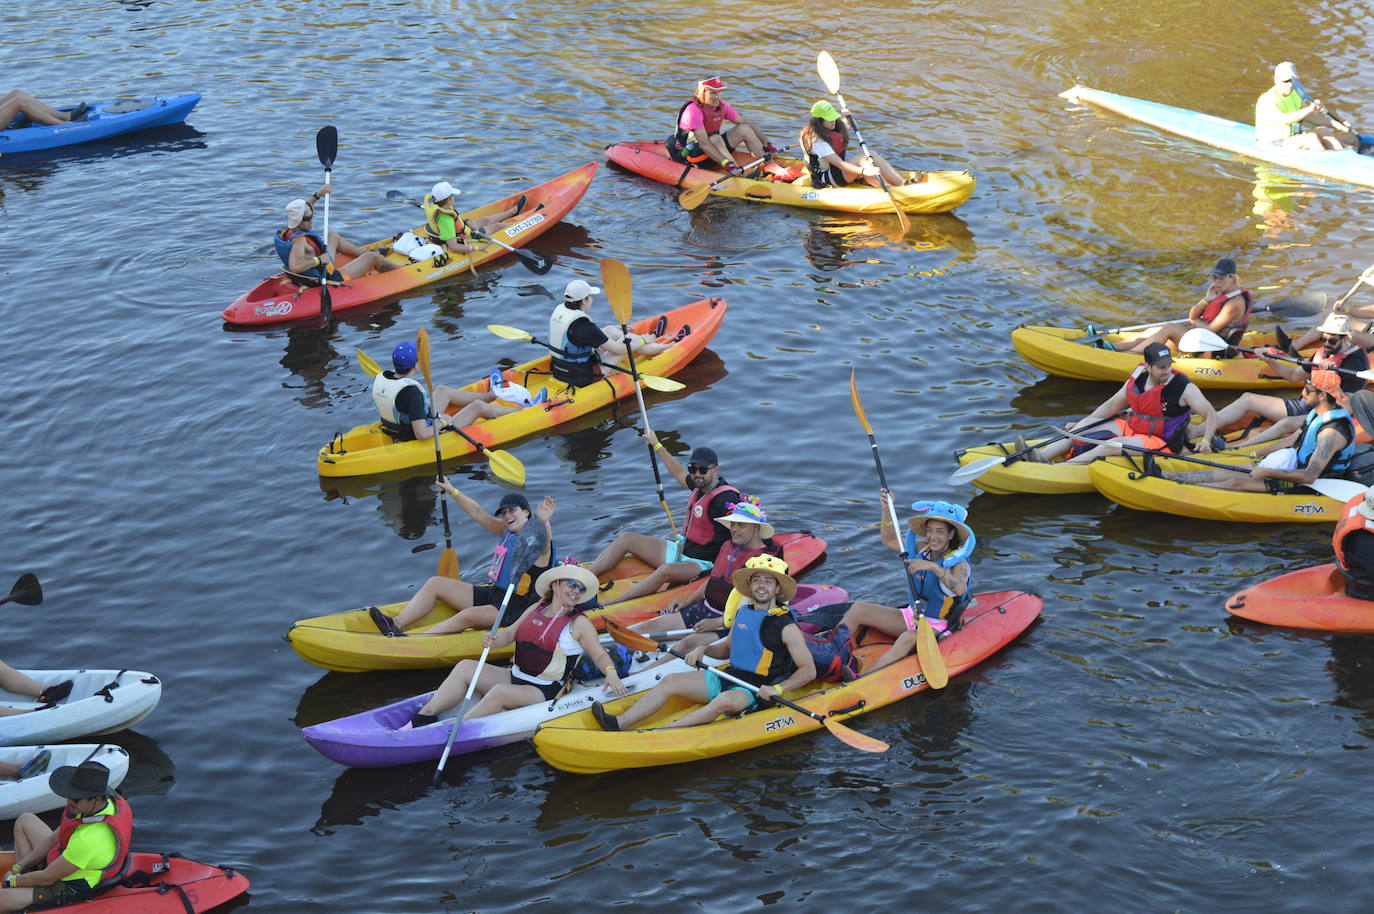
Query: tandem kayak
point(350, 643)
point(1341, 164)
point(32, 794)
point(368, 449)
point(576, 742)
point(1120, 479)
point(160, 884)
point(279, 299)
point(102, 121)
point(940, 192)
point(101, 701)
point(1058, 351)
point(1308, 598)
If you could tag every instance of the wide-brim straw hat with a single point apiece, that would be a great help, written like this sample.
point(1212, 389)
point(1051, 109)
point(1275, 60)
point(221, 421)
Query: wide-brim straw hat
point(566, 572)
point(770, 565)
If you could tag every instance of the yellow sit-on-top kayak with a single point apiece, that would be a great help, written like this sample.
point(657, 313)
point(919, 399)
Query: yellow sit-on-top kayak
point(1123, 481)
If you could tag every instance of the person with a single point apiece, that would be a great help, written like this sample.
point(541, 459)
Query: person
point(19, 104)
point(709, 129)
point(549, 637)
point(446, 227)
point(1361, 320)
point(406, 410)
point(1353, 543)
point(825, 139)
point(1294, 455)
point(303, 253)
point(34, 765)
point(18, 683)
point(692, 552)
point(938, 543)
point(476, 605)
point(1225, 310)
point(1159, 402)
point(764, 645)
point(579, 346)
point(1280, 114)
point(1337, 351)
point(88, 851)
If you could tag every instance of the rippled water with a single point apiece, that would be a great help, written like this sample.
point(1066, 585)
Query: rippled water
point(159, 472)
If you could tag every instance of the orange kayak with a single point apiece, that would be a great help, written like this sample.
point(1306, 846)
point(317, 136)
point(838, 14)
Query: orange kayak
point(1308, 598)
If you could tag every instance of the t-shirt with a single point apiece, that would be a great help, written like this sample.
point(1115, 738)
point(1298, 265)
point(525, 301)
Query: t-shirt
point(692, 118)
point(410, 402)
point(448, 226)
point(1269, 110)
point(91, 848)
point(820, 148)
point(583, 332)
point(1359, 557)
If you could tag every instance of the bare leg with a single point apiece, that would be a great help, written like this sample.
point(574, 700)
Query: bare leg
point(890, 174)
point(455, 685)
point(730, 702)
point(885, 619)
point(11, 680)
point(651, 550)
point(717, 149)
point(506, 697)
point(1240, 410)
point(15, 899)
point(749, 135)
point(17, 102)
point(30, 834)
point(1169, 333)
point(472, 617)
point(7, 770)
point(691, 685)
point(904, 645)
point(669, 575)
point(474, 410)
point(457, 594)
point(1106, 449)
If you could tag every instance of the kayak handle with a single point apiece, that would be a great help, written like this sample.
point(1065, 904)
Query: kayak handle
point(857, 706)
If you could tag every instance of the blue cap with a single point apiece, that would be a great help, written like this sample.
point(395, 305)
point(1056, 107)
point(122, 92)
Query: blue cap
point(404, 356)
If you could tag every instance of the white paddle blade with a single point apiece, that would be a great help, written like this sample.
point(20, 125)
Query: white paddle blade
point(971, 471)
point(1340, 489)
point(1200, 339)
point(829, 73)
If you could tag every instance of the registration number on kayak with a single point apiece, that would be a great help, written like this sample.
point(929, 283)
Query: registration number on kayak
point(273, 309)
point(811, 195)
point(521, 226)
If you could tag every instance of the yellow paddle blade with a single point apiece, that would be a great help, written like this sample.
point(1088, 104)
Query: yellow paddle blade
point(448, 564)
point(692, 197)
point(616, 278)
point(828, 72)
point(629, 638)
point(928, 652)
point(369, 367)
point(854, 738)
point(508, 333)
point(422, 344)
point(854, 397)
point(901, 214)
point(655, 382)
point(506, 466)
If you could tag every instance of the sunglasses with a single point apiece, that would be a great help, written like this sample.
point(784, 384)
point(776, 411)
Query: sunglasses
point(697, 470)
point(574, 585)
point(1332, 339)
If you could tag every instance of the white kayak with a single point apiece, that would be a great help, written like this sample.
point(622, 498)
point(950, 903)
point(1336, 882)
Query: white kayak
point(32, 793)
point(101, 701)
point(1341, 164)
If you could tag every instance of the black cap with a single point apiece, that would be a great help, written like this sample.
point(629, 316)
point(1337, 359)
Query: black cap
point(512, 500)
point(1158, 354)
point(1225, 267)
point(704, 457)
point(77, 782)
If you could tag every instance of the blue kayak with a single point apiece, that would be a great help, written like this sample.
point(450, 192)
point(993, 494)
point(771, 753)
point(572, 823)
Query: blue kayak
point(102, 121)
point(1340, 164)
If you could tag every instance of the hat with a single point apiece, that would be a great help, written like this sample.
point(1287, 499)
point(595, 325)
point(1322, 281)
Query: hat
point(579, 289)
point(704, 457)
point(1225, 267)
point(443, 190)
point(1327, 381)
point(747, 511)
point(79, 782)
point(404, 356)
point(713, 83)
point(953, 515)
point(1157, 354)
point(512, 500)
point(1285, 71)
point(567, 570)
point(1336, 325)
point(825, 111)
point(1366, 505)
point(295, 212)
point(770, 565)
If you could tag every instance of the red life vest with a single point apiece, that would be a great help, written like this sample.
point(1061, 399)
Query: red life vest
point(1350, 522)
point(700, 528)
point(730, 560)
point(1231, 332)
point(121, 821)
point(1147, 406)
point(536, 646)
point(1322, 360)
point(837, 139)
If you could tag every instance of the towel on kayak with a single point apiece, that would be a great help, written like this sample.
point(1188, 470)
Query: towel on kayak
point(512, 393)
point(409, 244)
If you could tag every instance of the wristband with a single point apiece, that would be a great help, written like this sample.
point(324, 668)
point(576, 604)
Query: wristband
point(610, 668)
point(658, 446)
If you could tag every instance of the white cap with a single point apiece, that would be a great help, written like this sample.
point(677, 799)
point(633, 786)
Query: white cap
point(1335, 324)
point(1366, 507)
point(579, 289)
point(1284, 71)
point(442, 191)
point(295, 212)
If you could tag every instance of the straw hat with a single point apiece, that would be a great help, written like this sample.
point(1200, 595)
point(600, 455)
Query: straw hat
point(1336, 325)
point(769, 565)
point(567, 570)
point(747, 511)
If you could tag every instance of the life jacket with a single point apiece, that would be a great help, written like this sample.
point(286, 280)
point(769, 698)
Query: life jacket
point(499, 572)
point(571, 363)
point(1231, 332)
point(1158, 411)
point(1351, 521)
point(386, 387)
point(432, 211)
point(121, 821)
point(700, 529)
point(719, 588)
point(538, 656)
point(711, 118)
point(283, 240)
point(820, 170)
point(1322, 360)
point(1307, 441)
point(939, 601)
point(757, 652)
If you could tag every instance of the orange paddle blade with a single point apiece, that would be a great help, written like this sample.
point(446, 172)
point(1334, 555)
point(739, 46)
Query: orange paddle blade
point(616, 278)
point(858, 404)
point(853, 737)
point(448, 564)
point(629, 637)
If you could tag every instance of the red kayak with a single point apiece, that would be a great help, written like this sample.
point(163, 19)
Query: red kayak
point(1309, 598)
point(161, 884)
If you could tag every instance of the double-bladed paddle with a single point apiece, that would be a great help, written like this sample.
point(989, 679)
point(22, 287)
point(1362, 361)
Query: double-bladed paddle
point(1200, 339)
point(1303, 304)
point(26, 590)
point(536, 261)
point(326, 147)
point(980, 466)
point(651, 381)
point(692, 197)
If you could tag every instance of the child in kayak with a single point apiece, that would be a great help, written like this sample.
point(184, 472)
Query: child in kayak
point(825, 139)
point(405, 408)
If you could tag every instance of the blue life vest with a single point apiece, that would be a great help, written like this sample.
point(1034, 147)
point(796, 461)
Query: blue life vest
point(939, 602)
point(283, 240)
point(757, 652)
point(499, 571)
point(1307, 442)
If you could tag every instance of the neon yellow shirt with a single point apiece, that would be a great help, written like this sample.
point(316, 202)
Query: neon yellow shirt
point(91, 848)
point(1270, 109)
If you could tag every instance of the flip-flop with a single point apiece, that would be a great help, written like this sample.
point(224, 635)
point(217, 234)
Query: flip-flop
point(661, 326)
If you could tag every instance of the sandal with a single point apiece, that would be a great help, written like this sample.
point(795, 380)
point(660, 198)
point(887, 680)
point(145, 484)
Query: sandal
point(385, 624)
point(603, 717)
point(55, 693)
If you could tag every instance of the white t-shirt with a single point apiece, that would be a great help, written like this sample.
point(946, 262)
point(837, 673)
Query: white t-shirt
point(820, 148)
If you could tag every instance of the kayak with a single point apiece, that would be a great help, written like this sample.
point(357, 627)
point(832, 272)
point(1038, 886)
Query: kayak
point(161, 884)
point(103, 120)
point(576, 742)
point(1308, 598)
point(350, 643)
point(375, 738)
point(940, 192)
point(1057, 350)
point(32, 793)
point(1342, 165)
point(369, 449)
point(101, 701)
point(1120, 479)
point(280, 299)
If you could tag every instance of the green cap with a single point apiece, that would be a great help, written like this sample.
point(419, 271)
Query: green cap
point(825, 111)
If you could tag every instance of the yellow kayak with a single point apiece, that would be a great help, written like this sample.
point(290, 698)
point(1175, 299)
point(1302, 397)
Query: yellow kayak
point(1120, 479)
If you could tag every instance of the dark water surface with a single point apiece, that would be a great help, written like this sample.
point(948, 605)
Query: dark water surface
point(159, 471)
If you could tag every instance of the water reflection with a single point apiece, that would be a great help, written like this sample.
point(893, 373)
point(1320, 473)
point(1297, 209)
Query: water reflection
point(28, 170)
point(151, 771)
point(837, 240)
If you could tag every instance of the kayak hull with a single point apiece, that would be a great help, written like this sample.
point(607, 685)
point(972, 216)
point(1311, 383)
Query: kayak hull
point(1119, 479)
point(368, 449)
point(100, 123)
point(86, 711)
point(576, 743)
point(1307, 598)
point(941, 192)
point(175, 886)
point(33, 794)
point(279, 300)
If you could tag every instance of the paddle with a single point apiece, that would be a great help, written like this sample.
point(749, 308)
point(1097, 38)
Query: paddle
point(1364, 278)
point(635, 641)
point(536, 261)
point(503, 463)
point(326, 147)
point(830, 75)
point(978, 467)
point(526, 552)
point(1361, 405)
point(927, 648)
point(692, 197)
point(26, 590)
point(1303, 304)
point(448, 559)
point(1200, 339)
point(1303, 94)
point(616, 278)
point(651, 381)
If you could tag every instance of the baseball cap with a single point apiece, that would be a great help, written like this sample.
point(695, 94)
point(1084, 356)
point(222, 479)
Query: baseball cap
point(825, 111)
point(443, 190)
point(1225, 267)
point(1285, 70)
point(1326, 380)
point(404, 356)
point(704, 457)
point(295, 212)
point(1158, 354)
point(579, 289)
point(512, 500)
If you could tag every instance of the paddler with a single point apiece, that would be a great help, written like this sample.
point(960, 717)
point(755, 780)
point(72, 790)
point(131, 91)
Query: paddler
point(1280, 113)
point(1224, 309)
point(764, 645)
point(1361, 320)
point(709, 129)
point(17, 102)
point(405, 408)
point(476, 605)
point(825, 139)
point(446, 227)
point(17, 683)
point(1353, 544)
point(1159, 403)
point(938, 543)
point(1320, 447)
point(580, 345)
point(88, 851)
point(302, 251)
point(549, 638)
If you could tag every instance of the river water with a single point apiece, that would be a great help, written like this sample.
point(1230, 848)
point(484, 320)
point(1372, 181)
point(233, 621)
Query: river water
point(159, 473)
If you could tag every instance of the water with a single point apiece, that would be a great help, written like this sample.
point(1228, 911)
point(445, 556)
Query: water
point(159, 475)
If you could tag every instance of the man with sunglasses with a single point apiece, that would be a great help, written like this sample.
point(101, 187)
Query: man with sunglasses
point(303, 252)
point(1281, 111)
